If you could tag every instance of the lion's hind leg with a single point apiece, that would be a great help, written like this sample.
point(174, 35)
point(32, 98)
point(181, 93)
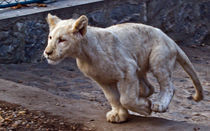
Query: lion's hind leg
point(146, 89)
point(162, 64)
point(118, 113)
point(130, 96)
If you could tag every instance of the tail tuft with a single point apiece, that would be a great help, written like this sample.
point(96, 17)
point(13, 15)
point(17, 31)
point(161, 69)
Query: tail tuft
point(198, 97)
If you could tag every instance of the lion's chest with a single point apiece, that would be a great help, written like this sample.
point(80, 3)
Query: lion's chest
point(102, 73)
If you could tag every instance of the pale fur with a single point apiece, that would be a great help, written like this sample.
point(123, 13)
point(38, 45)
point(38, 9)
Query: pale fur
point(118, 59)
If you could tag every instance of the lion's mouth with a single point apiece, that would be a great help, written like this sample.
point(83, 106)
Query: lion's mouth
point(52, 62)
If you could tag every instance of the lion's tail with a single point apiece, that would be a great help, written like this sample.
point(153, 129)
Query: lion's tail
point(188, 67)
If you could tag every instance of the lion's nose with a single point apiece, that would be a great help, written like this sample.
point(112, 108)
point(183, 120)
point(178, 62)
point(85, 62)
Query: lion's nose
point(48, 52)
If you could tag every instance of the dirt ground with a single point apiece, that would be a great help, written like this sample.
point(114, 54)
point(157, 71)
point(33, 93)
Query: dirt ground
point(46, 97)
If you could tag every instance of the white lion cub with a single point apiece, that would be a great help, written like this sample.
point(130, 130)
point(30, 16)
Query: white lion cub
point(118, 59)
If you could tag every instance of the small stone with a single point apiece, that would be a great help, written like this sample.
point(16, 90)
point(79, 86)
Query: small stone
point(1, 119)
point(92, 120)
point(27, 126)
point(61, 123)
point(196, 129)
point(207, 83)
point(187, 117)
point(182, 80)
point(73, 127)
point(16, 123)
point(24, 123)
point(188, 107)
point(189, 97)
point(193, 46)
point(19, 81)
point(36, 117)
point(196, 114)
point(203, 44)
point(8, 119)
point(21, 112)
point(92, 99)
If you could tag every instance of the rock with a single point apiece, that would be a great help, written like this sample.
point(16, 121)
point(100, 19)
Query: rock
point(16, 123)
point(187, 22)
point(4, 35)
point(127, 12)
point(207, 83)
point(21, 112)
point(19, 81)
point(190, 98)
point(1, 119)
point(97, 18)
point(61, 123)
point(27, 126)
point(9, 118)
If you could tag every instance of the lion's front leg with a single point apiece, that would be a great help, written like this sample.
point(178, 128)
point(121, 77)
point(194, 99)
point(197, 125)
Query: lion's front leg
point(118, 113)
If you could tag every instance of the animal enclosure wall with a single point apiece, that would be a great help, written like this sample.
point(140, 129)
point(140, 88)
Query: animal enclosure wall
point(23, 38)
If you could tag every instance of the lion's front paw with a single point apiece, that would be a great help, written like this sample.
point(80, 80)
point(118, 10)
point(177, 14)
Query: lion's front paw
point(117, 116)
point(158, 107)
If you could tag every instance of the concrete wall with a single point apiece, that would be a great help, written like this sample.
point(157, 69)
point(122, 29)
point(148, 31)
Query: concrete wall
point(22, 39)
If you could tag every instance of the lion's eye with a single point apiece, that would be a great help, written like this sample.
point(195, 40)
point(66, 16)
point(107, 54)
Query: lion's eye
point(61, 40)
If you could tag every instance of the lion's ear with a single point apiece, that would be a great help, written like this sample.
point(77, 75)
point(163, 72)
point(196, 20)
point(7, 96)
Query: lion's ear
point(52, 20)
point(80, 25)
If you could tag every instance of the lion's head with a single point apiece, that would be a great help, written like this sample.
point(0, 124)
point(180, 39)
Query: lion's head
point(64, 37)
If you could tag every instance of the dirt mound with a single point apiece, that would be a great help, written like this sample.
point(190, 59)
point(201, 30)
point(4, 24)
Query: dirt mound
point(16, 117)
